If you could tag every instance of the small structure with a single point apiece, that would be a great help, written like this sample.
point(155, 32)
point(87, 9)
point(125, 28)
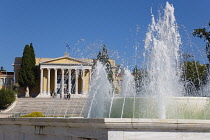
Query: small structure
point(6, 79)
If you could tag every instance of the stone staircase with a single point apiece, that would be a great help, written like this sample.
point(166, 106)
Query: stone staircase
point(50, 107)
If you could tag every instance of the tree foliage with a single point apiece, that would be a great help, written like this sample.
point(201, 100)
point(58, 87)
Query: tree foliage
point(203, 33)
point(27, 73)
point(2, 69)
point(139, 74)
point(7, 97)
point(103, 57)
point(195, 73)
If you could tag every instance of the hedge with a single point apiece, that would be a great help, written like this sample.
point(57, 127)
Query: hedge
point(34, 114)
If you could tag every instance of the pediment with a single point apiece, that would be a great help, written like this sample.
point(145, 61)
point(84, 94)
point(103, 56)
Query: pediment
point(65, 60)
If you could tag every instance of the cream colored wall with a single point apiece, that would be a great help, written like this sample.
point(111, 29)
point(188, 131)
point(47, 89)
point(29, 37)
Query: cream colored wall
point(65, 61)
point(38, 60)
point(86, 78)
point(45, 80)
point(16, 71)
point(7, 86)
point(117, 84)
point(112, 62)
point(61, 60)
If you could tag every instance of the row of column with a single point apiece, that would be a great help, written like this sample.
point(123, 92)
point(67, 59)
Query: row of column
point(62, 80)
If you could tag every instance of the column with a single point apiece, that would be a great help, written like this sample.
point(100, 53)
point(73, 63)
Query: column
point(48, 81)
point(76, 81)
point(41, 81)
point(55, 81)
point(69, 83)
point(83, 80)
point(90, 75)
point(62, 82)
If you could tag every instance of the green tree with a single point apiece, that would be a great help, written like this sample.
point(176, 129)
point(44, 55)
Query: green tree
point(33, 63)
point(138, 74)
point(7, 97)
point(103, 57)
point(137, 78)
point(2, 69)
point(203, 33)
point(195, 73)
point(27, 73)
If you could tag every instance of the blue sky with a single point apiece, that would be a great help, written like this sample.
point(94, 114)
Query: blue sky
point(87, 24)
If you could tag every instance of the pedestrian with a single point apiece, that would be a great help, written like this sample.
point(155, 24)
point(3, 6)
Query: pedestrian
point(51, 93)
point(60, 94)
point(65, 96)
point(68, 96)
point(67, 93)
point(55, 94)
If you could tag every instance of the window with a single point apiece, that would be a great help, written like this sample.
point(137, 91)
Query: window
point(10, 81)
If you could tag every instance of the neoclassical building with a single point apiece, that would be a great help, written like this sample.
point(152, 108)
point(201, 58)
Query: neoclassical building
point(61, 74)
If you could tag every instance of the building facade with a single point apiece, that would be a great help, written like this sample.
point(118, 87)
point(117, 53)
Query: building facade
point(6, 79)
point(60, 75)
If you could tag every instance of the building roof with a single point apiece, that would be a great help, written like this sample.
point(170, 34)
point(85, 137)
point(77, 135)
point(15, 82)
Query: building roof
point(6, 73)
point(68, 59)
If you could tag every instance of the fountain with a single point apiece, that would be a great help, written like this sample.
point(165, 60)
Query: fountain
point(100, 94)
point(162, 93)
point(162, 47)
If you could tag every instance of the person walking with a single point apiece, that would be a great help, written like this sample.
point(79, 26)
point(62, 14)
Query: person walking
point(68, 95)
point(60, 94)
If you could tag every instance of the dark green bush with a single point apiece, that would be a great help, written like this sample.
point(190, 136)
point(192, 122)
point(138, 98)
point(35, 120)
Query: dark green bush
point(7, 97)
point(34, 114)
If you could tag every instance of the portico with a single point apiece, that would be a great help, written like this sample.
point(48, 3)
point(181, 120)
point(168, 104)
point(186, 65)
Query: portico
point(61, 75)
point(71, 75)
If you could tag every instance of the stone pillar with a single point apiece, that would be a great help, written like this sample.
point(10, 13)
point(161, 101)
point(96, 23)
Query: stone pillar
point(62, 83)
point(55, 81)
point(41, 81)
point(69, 83)
point(83, 80)
point(48, 81)
point(76, 81)
point(90, 74)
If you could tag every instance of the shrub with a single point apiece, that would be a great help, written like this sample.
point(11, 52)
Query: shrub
point(7, 97)
point(34, 114)
point(16, 87)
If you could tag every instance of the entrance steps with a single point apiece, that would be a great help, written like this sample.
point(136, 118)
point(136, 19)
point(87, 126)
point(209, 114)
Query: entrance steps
point(50, 107)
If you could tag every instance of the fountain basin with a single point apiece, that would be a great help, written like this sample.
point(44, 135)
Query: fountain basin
point(176, 107)
point(102, 129)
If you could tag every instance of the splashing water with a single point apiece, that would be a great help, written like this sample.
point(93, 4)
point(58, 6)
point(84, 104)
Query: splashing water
point(162, 49)
point(128, 84)
point(100, 93)
point(128, 88)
